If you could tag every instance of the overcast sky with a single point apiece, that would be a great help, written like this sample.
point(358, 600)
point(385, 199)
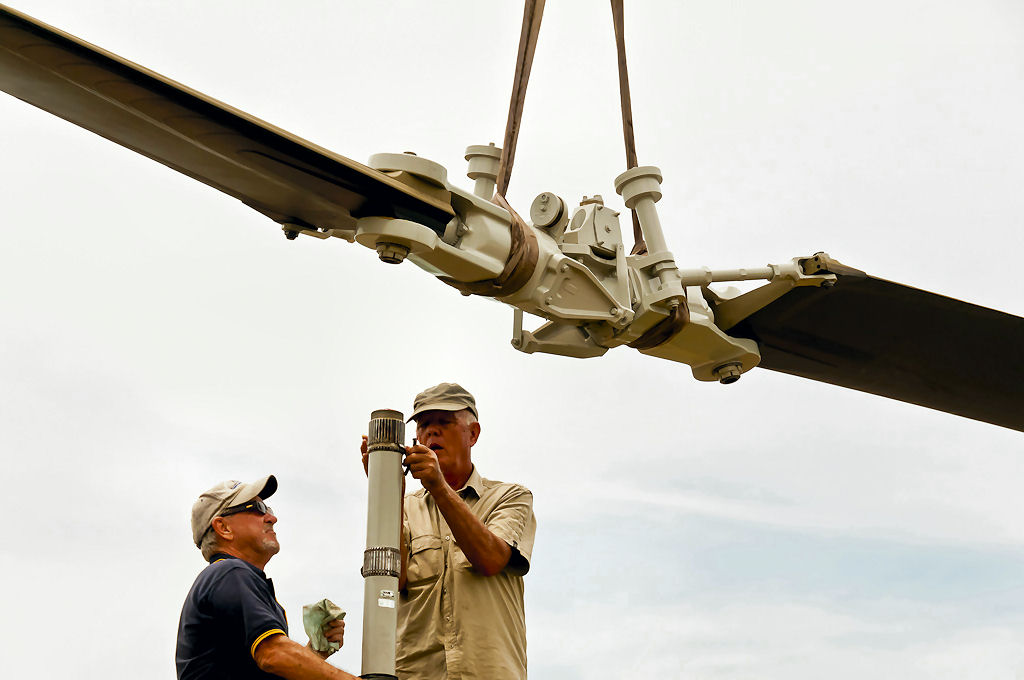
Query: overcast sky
point(157, 337)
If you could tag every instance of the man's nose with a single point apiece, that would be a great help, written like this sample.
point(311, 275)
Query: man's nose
point(269, 517)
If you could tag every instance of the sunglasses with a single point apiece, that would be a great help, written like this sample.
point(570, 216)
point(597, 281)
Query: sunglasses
point(259, 507)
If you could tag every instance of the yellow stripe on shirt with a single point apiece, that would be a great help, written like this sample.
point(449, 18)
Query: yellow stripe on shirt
point(261, 638)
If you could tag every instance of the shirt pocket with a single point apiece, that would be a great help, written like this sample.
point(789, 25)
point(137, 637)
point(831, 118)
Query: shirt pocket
point(425, 560)
point(459, 559)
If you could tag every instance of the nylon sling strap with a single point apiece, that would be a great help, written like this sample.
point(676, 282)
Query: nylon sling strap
point(519, 268)
point(679, 315)
point(524, 251)
point(618, 19)
point(533, 12)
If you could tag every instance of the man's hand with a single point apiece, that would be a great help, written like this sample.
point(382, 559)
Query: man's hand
point(424, 466)
point(366, 456)
point(334, 631)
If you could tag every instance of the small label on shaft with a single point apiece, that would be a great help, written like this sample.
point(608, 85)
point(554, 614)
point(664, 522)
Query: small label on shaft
point(386, 599)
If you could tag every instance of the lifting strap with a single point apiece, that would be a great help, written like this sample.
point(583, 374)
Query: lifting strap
point(533, 11)
point(639, 246)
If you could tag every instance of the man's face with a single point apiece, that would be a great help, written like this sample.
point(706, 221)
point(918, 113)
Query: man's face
point(448, 435)
point(254, 532)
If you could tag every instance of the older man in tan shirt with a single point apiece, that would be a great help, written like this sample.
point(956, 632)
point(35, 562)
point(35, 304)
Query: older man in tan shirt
point(466, 547)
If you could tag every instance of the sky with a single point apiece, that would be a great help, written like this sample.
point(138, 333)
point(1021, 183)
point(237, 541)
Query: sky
point(157, 337)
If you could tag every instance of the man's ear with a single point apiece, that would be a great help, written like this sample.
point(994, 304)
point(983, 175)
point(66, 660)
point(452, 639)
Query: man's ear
point(220, 526)
point(474, 433)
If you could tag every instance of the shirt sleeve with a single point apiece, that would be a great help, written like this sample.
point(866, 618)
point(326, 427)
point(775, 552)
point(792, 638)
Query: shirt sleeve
point(513, 521)
point(250, 608)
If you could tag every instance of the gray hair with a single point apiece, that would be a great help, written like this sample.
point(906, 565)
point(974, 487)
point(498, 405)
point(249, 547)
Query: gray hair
point(466, 417)
point(210, 544)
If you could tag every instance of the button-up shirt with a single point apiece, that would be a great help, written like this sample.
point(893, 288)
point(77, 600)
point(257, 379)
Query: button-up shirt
point(454, 623)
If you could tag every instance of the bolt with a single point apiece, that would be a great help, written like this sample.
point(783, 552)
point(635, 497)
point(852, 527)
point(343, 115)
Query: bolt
point(392, 253)
point(614, 311)
point(517, 342)
point(607, 229)
point(827, 283)
point(727, 374)
point(545, 197)
point(548, 300)
point(462, 230)
point(563, 268)
point(291, 235)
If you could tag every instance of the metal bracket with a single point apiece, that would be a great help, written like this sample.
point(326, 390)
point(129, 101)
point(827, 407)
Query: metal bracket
point(782, 279)
point(554, 338)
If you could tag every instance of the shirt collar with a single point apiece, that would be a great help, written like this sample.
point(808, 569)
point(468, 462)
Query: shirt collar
point(217, 557)
point(473, 484)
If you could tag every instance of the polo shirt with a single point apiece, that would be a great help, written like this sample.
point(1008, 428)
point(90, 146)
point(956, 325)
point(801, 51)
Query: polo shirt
point(454, 623)
point(230, 609)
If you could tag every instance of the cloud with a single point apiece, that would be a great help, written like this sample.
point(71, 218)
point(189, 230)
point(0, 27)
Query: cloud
point(755, 640)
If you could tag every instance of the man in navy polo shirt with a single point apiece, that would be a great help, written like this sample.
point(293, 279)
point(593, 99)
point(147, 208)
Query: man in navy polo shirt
point(232, 626)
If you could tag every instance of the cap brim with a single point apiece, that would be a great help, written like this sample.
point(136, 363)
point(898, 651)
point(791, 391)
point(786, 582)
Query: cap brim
point(263, 487)
point(267, 487)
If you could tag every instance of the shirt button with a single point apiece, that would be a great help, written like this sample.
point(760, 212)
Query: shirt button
point(447, 538)
point(447, 618)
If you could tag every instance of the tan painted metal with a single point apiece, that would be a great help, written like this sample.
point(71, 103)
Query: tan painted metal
point(578, 276)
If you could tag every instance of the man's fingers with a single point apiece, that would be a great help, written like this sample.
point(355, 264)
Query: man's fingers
point(335, 631)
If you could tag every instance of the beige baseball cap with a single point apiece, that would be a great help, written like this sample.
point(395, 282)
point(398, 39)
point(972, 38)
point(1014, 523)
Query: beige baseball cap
point(225, 495)
point(443, 397)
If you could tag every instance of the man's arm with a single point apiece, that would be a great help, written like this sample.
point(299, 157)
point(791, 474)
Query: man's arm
point(280, 655)
point(486, 552)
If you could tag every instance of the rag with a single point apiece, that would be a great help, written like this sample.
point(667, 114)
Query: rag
point(315, 617)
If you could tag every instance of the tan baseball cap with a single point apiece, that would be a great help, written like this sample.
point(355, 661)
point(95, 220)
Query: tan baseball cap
point(443, 397)
point(225, 495)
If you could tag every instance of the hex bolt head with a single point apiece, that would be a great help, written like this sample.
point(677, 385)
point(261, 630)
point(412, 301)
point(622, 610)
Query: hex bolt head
point(392, 253)
point(727, 374)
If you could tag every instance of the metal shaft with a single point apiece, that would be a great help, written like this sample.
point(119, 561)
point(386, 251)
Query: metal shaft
point(382, 559)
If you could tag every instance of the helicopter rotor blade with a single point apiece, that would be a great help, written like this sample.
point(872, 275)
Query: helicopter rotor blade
point(287, 178)
point(895, 341)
